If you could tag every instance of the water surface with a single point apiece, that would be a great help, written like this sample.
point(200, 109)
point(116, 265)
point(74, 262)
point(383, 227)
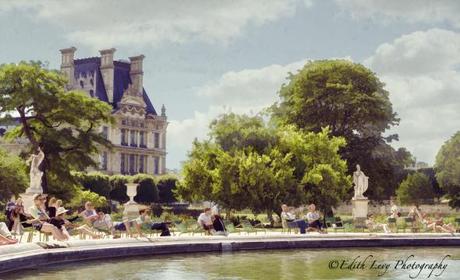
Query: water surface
point(378, 263)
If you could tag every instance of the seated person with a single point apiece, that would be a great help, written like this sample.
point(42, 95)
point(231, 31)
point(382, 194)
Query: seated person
point(89, 214)
point(313, 219)
point(5, 235)
point(40, 219)
point(291, 221)
point(372, 225)
point(9, 209)
point(62, 224)
point(218, 225)
point(205, 220)
point(51, 207)
point(144, 218)
point(441, 226)
point(103, 222)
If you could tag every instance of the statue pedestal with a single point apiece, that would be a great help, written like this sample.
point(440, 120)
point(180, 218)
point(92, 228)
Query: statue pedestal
point(131, 208)
point(28, 198)
point(360, 210)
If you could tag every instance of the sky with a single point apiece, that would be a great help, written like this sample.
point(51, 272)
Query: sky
point(205, 58)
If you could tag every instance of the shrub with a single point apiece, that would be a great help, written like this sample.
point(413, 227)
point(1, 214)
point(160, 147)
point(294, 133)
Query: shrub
point(415, 188)
point(82, 196)
point(96, 182)
point(118, 191)
point(147, 191)
point(166, 188)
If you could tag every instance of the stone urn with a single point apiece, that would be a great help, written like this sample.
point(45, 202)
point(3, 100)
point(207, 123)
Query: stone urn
point(131, 208)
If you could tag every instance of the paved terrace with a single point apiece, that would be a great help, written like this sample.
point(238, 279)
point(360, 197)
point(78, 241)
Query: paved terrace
point(26, 255)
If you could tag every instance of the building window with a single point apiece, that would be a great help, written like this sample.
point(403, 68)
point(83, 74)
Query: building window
point(124, 137)
point(156, 165)
point(105, 132)
point(133, 138)
point(103, 163)
point(91, 93)
point(142, 139)
point(91, 82)
point(82, 85)
point(141, 164)
point(122, 164)
point(156, 140)
point(132, 164)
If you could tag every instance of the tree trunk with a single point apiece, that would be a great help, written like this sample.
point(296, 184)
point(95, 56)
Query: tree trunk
point(26, 128)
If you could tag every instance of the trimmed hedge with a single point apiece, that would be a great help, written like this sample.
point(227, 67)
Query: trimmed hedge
point(151, 189)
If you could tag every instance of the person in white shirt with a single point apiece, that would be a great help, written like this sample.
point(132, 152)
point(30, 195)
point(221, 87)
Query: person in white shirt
point(291, 220)
point(89, 214)
point(205, 219)
point(40, 218)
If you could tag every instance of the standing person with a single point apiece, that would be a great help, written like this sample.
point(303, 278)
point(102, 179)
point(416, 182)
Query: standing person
point(205, 220)
point(291, 220)
point(40, 218)
point(313, 219)
point(395, 211)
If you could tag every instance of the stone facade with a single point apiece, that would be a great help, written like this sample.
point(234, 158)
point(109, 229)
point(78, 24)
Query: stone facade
point(139, 133)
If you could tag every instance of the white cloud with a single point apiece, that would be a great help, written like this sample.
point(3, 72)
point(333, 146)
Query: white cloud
point(421, 74)
point(419, 52)
point(247, 91)
point(250, 86)
point(412, 11)
point(105, 23)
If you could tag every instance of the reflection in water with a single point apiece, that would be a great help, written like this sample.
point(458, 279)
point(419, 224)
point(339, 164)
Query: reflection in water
point(287, 264)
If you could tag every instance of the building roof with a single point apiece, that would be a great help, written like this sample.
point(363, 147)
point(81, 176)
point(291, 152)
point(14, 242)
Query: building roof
point(121, 80)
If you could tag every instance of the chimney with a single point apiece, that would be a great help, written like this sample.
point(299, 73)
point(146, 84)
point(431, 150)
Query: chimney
point(107, 71)
point(136, 73)
point(67, 66)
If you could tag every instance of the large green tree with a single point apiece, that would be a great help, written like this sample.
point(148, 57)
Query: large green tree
point(350, 100)
point(415, 189)
point(448, 169)
point(248, 164)
point(65, 124)
point(13, 177)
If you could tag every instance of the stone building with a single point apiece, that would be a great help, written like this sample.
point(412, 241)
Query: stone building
point(139, 132)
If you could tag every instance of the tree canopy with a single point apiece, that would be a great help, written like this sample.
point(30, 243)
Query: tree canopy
point(414, 189)
point(350, 100)
point(13, 176)
point(249, 164)
point(65, 124)
point(448, 169)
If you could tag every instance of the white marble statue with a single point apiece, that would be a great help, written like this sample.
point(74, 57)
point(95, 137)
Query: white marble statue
point(35, 173)
point(360, 180)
